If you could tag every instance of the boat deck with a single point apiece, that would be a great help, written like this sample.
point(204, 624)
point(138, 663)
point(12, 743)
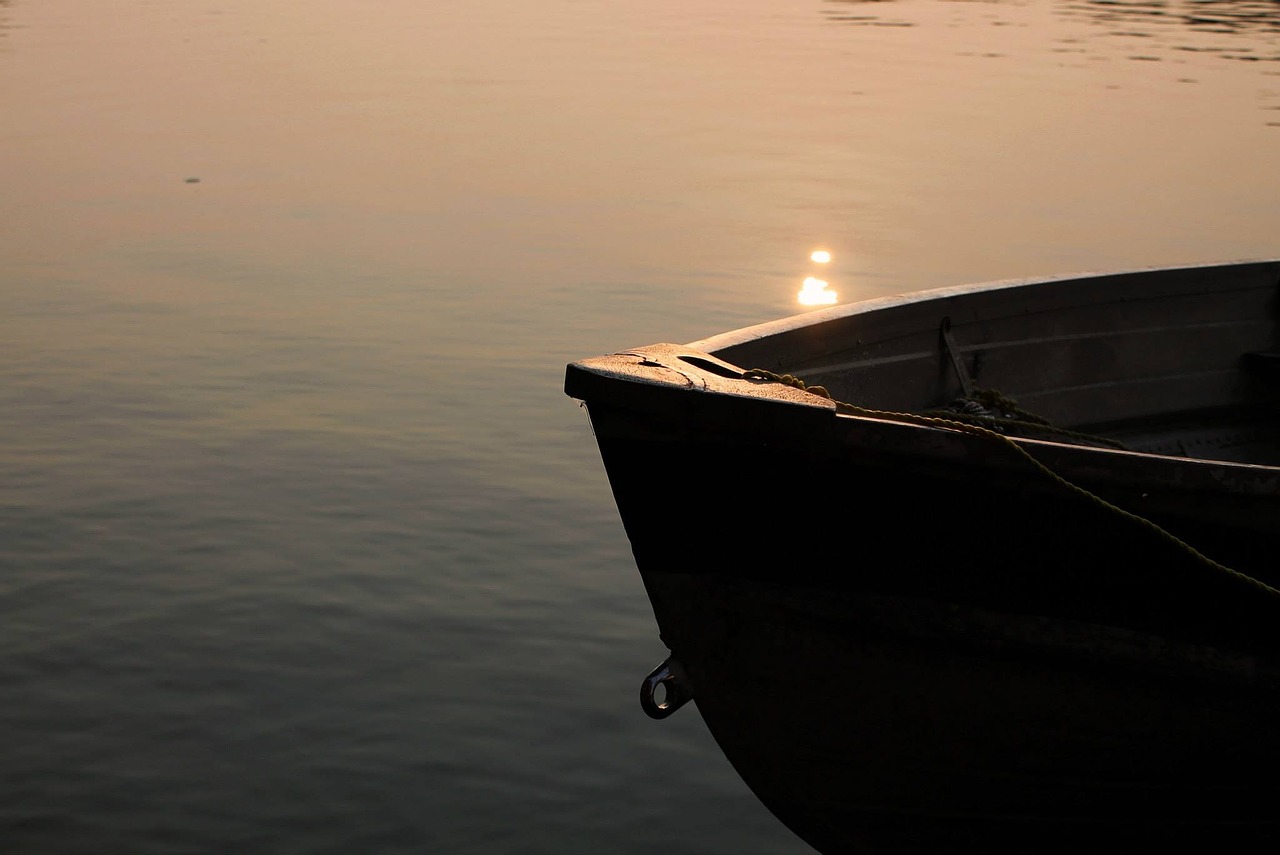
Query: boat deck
point(1233, 436)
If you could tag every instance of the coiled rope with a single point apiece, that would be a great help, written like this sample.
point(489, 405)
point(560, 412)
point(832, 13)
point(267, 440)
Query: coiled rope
point(974, 429)
point(984, 403)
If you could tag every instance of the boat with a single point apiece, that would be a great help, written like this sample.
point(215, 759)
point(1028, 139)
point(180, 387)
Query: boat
point(988, 568)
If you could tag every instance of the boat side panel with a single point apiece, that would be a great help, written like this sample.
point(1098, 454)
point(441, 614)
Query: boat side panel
point(978, 526)
point(762, 340)
point(1079, 351)
point(874, 726)
point(1129, 706)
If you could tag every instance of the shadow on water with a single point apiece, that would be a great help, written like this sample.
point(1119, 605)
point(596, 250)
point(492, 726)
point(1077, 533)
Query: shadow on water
point(1245, 30)
point(1206, 16)
point(859, 13)
point(1176, 33)
point(1179, 24)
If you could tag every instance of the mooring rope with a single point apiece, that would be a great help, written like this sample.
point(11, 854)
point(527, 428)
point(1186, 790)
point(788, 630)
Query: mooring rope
point(948, 423)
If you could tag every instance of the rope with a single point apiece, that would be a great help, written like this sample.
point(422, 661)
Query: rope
point(981, 408)
point(986, 433)
point(1022, 427)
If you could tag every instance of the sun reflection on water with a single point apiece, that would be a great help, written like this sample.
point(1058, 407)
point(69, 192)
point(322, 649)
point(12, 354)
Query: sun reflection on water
point(814, 291)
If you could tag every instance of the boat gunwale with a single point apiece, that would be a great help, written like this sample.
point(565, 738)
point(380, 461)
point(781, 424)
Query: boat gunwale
point(634, 377)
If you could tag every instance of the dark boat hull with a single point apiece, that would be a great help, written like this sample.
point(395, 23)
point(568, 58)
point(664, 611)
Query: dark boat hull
point(877, 726)
point(1081, 697)
point(911, 639)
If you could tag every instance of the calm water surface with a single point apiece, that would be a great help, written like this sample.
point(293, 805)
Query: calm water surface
point(302, 549)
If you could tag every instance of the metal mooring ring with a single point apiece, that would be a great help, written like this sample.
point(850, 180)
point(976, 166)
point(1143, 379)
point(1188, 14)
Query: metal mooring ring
point(672, 677)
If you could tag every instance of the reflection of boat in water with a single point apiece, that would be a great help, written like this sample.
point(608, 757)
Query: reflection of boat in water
point(971, 631)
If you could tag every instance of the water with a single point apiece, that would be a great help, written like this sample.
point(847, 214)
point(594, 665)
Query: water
point(302, 549)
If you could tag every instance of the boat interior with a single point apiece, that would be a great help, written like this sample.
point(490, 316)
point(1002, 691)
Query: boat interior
point(1180, 362)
